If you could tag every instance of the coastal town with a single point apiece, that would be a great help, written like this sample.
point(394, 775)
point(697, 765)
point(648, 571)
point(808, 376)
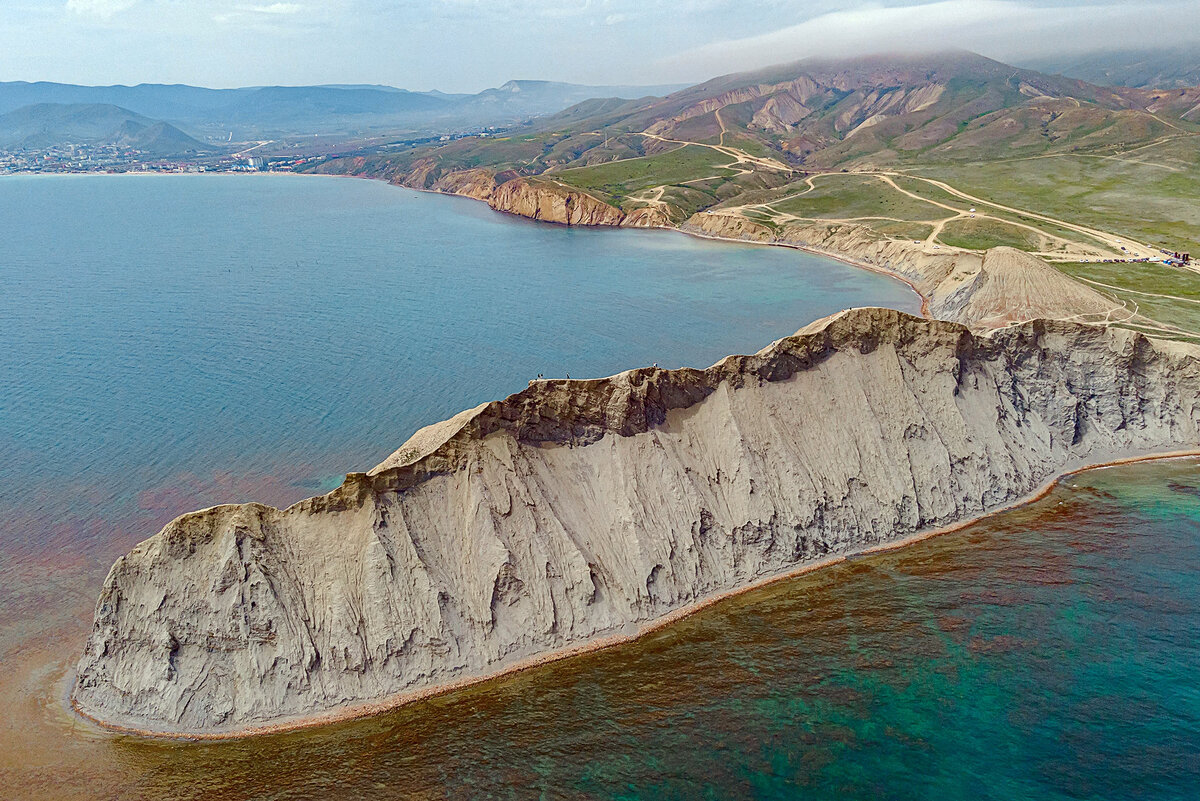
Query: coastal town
point(262, 156)
point(108, 158)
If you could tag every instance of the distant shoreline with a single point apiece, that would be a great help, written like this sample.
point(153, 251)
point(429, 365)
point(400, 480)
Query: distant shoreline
point(840, 257)
point(378, 707)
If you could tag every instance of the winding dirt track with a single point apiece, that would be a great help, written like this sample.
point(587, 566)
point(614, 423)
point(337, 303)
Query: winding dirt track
point(1069, 250)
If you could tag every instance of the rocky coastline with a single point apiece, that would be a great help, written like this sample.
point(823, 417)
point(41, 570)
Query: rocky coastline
point(575, 514)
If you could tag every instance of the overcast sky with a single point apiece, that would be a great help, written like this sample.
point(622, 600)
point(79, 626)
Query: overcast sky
point(468, 45)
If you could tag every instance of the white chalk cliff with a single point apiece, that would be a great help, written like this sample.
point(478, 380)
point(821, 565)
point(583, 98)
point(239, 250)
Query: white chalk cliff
point(579, 509)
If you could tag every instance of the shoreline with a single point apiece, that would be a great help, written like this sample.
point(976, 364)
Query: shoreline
point(373, 708)
point(846, 259)
point(839, 257)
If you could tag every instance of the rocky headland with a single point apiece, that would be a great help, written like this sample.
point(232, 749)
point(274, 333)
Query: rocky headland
point(577, 513)
point(535, 197)
point(994, 288)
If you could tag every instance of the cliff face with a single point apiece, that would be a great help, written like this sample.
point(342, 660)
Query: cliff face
point(653, 216)
point(552, 202)
point(536, 198)
point(578, 509)
point(479, 184)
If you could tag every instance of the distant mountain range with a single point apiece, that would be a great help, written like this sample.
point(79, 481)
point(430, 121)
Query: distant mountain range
point(816, 112)
point(261, 112)
point(822, 114)
point(1160, 68)
point(45, 125)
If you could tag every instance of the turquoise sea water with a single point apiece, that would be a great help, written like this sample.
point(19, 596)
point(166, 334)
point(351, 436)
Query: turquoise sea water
point(1049, 653)
point(171, 342)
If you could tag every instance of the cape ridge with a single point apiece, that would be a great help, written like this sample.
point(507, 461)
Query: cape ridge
point(575, 514)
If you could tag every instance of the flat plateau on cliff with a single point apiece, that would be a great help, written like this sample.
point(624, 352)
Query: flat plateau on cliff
point(576, 514)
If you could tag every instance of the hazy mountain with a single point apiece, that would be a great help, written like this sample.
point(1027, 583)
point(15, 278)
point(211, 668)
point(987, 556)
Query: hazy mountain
point(1164, 68)
point(532, 98)
point(884, 109)
point(161, 101)
point(48, 124)
point(295, 108)
point(283, 110)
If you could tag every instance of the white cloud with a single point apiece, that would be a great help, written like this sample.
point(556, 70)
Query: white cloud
point(99, 8)
point(461, 45)
point(998, 28)
point(258, 15)
point(276, 8)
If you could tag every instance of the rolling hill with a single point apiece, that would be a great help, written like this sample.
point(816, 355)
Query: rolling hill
point(49, 124)
point(335, 109)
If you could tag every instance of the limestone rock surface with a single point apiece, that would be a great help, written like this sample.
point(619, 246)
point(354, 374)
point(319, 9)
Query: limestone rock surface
point(580, 509)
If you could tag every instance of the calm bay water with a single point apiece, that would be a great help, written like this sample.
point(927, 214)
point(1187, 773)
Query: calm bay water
point(175, 342)
point(171, 340)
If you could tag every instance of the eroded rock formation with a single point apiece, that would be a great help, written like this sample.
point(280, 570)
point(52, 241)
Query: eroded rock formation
point(580, 509)
point(538, 198)
point(545, 200)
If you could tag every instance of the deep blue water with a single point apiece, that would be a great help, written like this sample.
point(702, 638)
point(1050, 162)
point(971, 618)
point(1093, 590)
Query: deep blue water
point(179, 341)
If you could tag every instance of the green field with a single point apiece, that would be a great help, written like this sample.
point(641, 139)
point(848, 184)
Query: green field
point(847, 196)
point(981, 234)
point(498, 153)
point(749, 144)
point(619, 179)
point(927, 190)
point(1139, 284)
point(689, 199)
point(1157, 202)
point(902, 230)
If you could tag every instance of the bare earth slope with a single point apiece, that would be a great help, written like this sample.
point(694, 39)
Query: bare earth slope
point(1010, 286)
point(582, 509)
point(997, 288)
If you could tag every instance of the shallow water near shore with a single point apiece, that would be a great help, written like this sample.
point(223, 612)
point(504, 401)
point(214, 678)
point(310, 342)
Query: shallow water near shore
point(153, 365)
point(1049, 652)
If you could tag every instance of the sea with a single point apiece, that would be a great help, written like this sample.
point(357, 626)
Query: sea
point(173, 342)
